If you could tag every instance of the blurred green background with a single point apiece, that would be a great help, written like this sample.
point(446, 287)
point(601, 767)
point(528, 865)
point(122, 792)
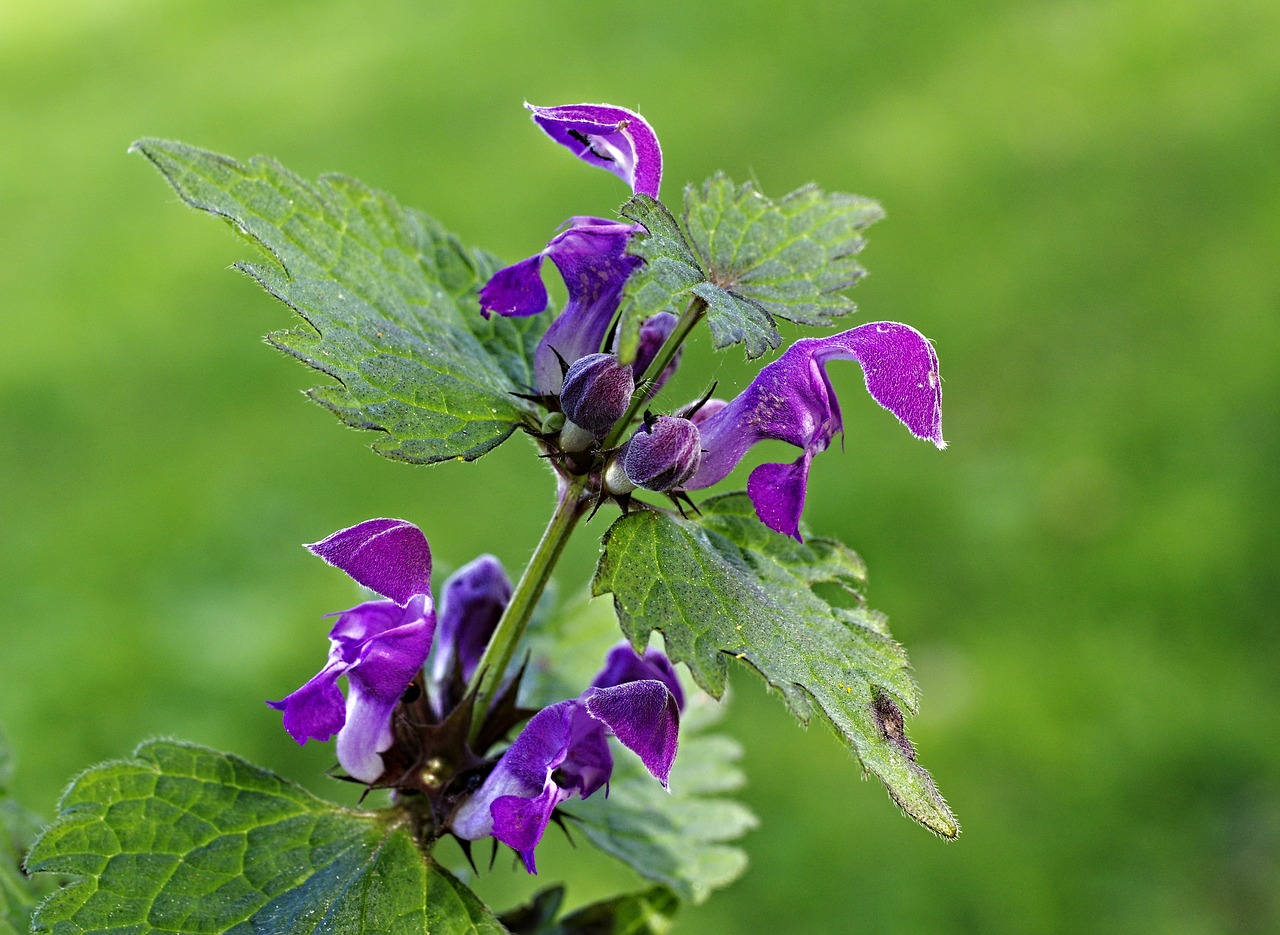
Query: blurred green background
point(1084, 214)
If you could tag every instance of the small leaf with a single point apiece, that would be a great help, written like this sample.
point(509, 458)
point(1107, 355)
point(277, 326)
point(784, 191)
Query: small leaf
point(387, 298)
point(648, 913)
point(730, 587)
point(185, 839)
point(790, 258)
point(18, 828)
point(669, 274)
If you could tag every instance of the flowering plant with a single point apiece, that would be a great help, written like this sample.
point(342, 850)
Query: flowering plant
point(463, 703)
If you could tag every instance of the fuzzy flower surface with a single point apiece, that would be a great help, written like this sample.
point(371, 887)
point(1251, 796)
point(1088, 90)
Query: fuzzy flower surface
point(791, 400)
point(379, 646)
point(563, 752)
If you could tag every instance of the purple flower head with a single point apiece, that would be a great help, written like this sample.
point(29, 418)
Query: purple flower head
point(663, 453)
point(471, 604)
point(563, 751)
point(792, 400)
point(612, 138)
point(591, 255)
point(379, 646)
point(596, 392)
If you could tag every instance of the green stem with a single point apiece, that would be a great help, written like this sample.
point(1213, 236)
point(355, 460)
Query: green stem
point(502, 645)
point(692, 315)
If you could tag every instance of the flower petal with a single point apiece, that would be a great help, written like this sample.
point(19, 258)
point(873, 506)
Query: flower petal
point(515, 290)
point(791, 400)
point(612, 138)
point(777, 492)
point(388, 556)
point(645, 716)
point(316, 710)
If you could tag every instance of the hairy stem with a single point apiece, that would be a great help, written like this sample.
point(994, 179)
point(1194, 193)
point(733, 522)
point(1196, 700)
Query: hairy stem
point(502, 645)
point(692, 315)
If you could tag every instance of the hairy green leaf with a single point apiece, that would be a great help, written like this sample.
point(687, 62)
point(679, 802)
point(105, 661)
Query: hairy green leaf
point(387, 301)
point(724, 585)
point(18, 828)
point(791, 258)
point(668, 276)
point(748, 258)
point(648, 913)
point(185, 839)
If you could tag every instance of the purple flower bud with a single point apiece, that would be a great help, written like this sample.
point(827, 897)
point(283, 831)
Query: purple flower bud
point(663, 454)
point(705, 411)
point(597, 390)
point(471, 604)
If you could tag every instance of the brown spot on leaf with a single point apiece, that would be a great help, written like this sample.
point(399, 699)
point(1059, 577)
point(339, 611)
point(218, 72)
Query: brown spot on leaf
point(889, 720)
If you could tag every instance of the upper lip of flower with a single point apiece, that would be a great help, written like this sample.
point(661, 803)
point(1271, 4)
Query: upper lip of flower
point(613, 138)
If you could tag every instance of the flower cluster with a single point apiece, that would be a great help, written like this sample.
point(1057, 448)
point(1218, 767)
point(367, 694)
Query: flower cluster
point(389, 735)
point(791, 400)
point(410, 720)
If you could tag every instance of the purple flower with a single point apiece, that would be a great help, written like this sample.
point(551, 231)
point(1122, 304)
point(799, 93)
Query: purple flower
point(612, 138)
point(590, 253)
point(792, 400)
point(379, 645)
point(471, 604)
point(563, 751)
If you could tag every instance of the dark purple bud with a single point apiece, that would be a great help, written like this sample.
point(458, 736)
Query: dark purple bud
point(597, 390)
point(663, 454)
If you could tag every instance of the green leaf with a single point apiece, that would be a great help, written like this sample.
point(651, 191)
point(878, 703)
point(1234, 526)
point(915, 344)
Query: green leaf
point(648, 913)
point(185, 839)
point(387, 301)
point(790, 258)
point(668, 276)
point(750, 259)
point(730, 587)
point(18, 828)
